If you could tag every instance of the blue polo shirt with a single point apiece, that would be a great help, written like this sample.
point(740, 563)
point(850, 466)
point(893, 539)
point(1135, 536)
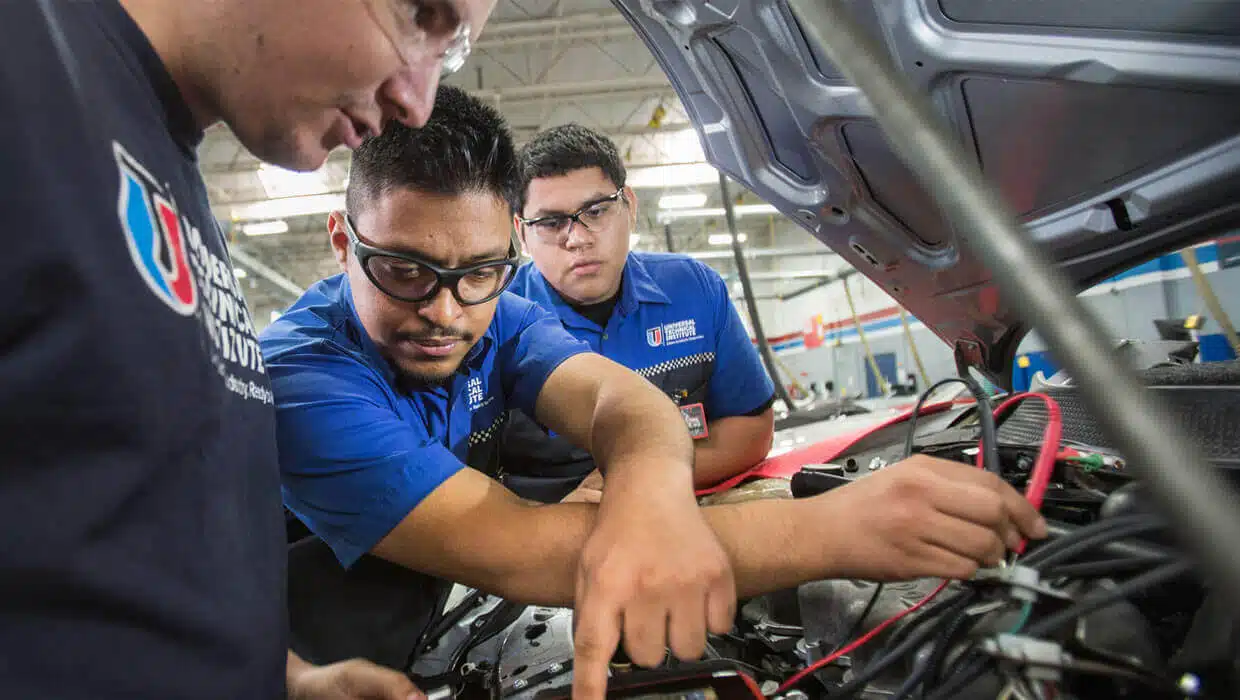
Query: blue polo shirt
point(359, 449)
point(675, 325)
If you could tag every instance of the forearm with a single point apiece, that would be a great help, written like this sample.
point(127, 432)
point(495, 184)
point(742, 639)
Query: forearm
point(529, 554)
point(734, 445)
point(638, 434)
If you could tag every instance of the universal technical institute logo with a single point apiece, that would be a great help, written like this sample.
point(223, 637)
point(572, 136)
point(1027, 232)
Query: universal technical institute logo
point(672, 333)
point(155, 236)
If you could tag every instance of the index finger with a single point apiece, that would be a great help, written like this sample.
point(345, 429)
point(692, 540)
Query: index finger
point(1026, 518)
point(594, 643)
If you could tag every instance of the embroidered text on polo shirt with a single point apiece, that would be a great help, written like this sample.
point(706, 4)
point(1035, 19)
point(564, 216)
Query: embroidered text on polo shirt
point(673, 333)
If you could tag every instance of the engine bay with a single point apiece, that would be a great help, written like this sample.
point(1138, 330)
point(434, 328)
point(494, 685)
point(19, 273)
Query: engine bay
point(1109, 606)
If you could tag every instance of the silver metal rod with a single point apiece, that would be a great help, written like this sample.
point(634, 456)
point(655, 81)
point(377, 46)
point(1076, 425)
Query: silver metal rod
point(1197, 501)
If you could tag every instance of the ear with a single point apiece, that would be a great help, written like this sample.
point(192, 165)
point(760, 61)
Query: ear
point(339, 239)
point(631, 196)
point(516, 226)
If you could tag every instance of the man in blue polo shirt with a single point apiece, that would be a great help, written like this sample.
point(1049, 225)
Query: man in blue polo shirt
point(392, 377)
point(669, 317)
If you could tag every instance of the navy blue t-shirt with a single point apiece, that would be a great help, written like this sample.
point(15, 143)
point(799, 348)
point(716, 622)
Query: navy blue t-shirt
point(142, 547)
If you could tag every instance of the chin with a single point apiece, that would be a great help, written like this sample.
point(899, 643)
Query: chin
point(432, 373)
point(295, 149)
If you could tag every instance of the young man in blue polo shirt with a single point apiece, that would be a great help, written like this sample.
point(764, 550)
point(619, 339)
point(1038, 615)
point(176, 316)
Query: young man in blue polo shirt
point(393, 376)
point(668, 317)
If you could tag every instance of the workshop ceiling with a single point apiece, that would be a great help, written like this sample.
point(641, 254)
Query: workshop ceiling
point(541, 63)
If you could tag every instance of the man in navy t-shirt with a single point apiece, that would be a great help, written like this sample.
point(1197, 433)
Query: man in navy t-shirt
point(393, 378)
point(142, 547)
point(669, 317)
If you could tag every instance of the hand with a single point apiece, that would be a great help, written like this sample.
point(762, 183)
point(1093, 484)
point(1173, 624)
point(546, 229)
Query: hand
point(925, 517)
point(356, 679)
point(652, 572)
point(590, 490)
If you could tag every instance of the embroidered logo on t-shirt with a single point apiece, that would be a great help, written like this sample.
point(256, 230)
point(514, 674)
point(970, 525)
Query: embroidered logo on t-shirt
point(672, 333)
point(475, 395)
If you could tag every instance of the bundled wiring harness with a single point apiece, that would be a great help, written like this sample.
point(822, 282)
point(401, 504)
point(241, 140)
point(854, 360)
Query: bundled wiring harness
point(1009, 631)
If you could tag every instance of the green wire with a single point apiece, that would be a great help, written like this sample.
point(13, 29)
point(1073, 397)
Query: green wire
point(1026, 611)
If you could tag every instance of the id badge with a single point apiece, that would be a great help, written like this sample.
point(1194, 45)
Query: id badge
point(695, 418)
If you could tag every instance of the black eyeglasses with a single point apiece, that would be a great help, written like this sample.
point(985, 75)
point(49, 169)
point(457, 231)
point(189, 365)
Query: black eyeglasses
point(409, 278)
point(593, 216)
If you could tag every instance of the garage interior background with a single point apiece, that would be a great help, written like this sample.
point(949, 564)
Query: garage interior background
point(543, 63)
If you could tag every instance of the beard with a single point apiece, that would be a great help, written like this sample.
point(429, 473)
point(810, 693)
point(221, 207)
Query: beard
point(429, 374)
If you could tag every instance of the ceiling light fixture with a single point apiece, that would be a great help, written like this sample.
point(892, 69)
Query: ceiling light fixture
point(688, 200)
point(725, 238)
point(288, 207)
point(278, 182)
point(240, 272)
point(739, 210)
point(265, 228)
point(674, 175)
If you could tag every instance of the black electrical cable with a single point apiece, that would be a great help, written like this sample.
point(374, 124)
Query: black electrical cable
point(926, 671)
point(985, 417)
point(1105, 567)
point(1090, 603)
point(916, 638)
point(966, 674)
point(1051, 555)
point(855, 628)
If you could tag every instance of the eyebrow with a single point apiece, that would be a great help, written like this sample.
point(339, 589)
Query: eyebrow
point(597, 198)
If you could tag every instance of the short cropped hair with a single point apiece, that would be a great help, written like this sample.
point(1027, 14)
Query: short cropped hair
point(464, 147)
point(561, 150)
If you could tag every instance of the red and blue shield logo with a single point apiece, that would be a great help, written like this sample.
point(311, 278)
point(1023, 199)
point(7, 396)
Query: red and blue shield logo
point(654, 336)
point(155, 235)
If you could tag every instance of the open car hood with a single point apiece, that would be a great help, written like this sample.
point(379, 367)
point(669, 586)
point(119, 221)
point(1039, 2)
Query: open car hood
point(1111, 127)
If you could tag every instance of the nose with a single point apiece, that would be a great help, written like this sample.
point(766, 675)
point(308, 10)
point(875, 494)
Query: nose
point(578, 236)
point(409, 96)
point(442, 310)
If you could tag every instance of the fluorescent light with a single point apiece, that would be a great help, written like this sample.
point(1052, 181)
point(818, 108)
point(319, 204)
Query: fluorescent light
point(678, 175)
point(265, 228)
point(240, 272)
point(279, 182)
point(288, 207)
point(275, 315)
point(690, 200)
point(724, 238)
point(633, 239)
point(739, 210)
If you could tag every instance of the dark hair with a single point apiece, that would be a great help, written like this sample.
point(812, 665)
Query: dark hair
point(464, 147)
point(561, 150)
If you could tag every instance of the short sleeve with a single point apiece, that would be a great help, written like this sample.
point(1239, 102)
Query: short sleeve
point(351, 468)
point(740, 385)
point(535, 347)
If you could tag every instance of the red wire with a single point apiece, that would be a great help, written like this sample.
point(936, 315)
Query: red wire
point(800, 675)
point(1034, 492)
point(1049, 451)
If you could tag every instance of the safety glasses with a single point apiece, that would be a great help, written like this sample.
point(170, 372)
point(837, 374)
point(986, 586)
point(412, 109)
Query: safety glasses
point(409, 278)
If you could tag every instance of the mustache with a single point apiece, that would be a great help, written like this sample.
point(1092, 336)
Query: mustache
point(436, 334)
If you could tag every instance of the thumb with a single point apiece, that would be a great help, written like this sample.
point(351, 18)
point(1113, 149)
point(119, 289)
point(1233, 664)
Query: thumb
point(367, 681)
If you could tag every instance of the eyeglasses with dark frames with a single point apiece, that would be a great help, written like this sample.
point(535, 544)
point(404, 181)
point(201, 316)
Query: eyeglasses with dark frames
point(593, 216)
point(409, 278)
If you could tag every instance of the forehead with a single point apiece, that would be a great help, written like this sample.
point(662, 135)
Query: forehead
point(442, 227)
point(567, 192)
